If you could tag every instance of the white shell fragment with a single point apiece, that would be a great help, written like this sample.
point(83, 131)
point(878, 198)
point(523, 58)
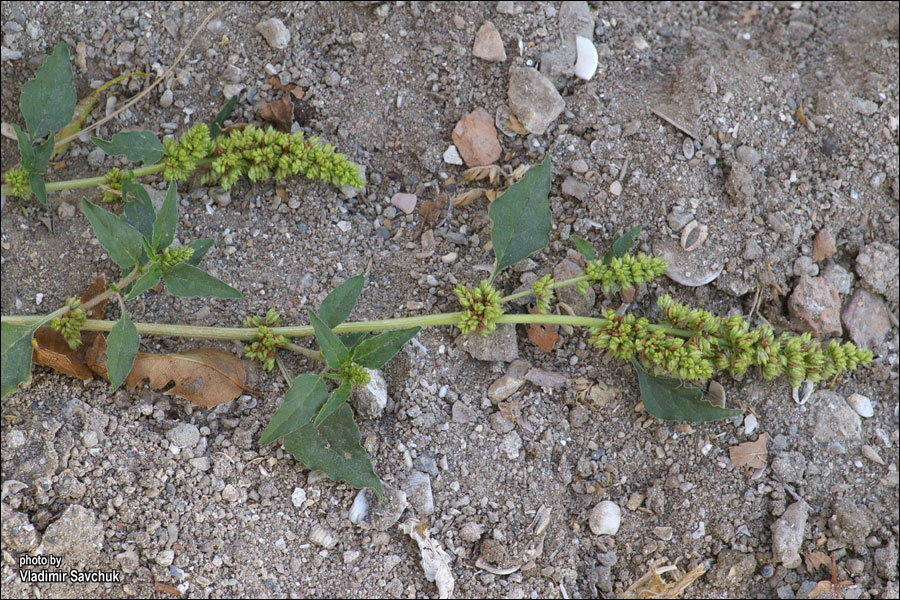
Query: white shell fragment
point(586, 61)
point(861, 404)
point(605, 518)
point(435, 561)
point(322, 537)
point(693, 235)
point(359, 508)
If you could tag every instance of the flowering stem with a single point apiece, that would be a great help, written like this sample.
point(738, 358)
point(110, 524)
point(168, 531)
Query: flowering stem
point(554, 285)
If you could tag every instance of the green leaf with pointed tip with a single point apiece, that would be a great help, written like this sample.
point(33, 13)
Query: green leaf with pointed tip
point(121, 240)
point(137, 146)
point(166, 220)
point(138, 211)
point(333, 349)
point(187, 281)
point(584, 247)
point(335, 401)
point(302, 401)
point(622, 244)
point(520, 218)
point(147, 281)
point(376, 351)
point(121, 348)
point(201, 247)
point(38, 187)
point(218, 124)
point(352, 340)
point(15, 342)
point(26, 150)
point(43, 153)
point(48, 101)
point(673, 400)
point(338, 305)
point(333, 448)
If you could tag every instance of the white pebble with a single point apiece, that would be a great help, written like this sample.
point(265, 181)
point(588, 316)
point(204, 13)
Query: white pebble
point(861, 404)
point(38, 299)
point(451, 156)
point(359, 508)
point(605, 518)
point(298, 497)
point(586, 63)
point(750, 424)
point(615, 188)
point(166, 99)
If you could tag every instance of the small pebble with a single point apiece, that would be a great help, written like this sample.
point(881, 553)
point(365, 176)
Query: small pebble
point(405, 202)
point(451, 156)
point(605, 518)
point(166, 99)
point(861, 404)
point(615, 188)
point(750, 424)
point(687, 147)
point(870, 453)
point(298, 497)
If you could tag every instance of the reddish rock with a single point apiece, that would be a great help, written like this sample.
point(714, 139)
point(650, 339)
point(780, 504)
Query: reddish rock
point(488, 44)
point(823, 246)
point(815, 306)
point(866, 319)
point(476, 138)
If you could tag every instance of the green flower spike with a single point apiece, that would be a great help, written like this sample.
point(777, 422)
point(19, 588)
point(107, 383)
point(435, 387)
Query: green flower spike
point(543, 289)
point(356, 375)
point(263, 349)
point(69, 324)
point(173, 256)
point(18, 179)
point(481, 308)
point(622, 273)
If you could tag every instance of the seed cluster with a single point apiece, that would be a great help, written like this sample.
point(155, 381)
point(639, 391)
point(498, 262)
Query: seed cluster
point(69, 324)
point(481, 308)
point(263, 349)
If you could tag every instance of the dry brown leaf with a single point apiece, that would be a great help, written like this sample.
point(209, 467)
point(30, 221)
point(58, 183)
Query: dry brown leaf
point(815, 560)
point(206, 376)
point(279, 112)
point(653, 585)
point(51, 350)
point(826, 589)
point(542, 336)
point(467, 198)
point(517, 126)
point(166, 588)
point(750, 454)
point(489, 172)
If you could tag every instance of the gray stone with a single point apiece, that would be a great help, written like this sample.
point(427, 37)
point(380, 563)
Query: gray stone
point(740, 184)
point(511, 444)
point(184, 435)
point(17, 532)
point(787, 535)
point(790, 466)
point(471, 532)
point(582, 304)
point(678, 218)
point(547, 379)
point(533, 99)
point(463, 413)
point(385, 514)
point(867, 319)
point(499, 345)
point(77, 535)
point(732, 568)
point(575, 187)
point(877, 265)
point(370, 400)
point(851, 524)
point(798, 30)
point(839, 277)
point(276, 34)
point(488, 44)
point(752, 250)
point(747, 155)
point(886, 560)
point(418, 492)
point(864, 107)
point(815, 306)
point(507, 385)
point(835, 420)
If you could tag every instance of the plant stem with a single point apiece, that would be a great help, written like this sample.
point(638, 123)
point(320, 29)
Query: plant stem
point(555, 285)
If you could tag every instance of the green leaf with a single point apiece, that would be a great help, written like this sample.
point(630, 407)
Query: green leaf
point(303, 400)
point(187, 281)
point(622, 244)
point(335, 401)
point(583, 246)
point(218, 124)
point(48, 101)
point(166, 220)
point(334, 449)
point(123, 242)
point(673, 400)
point(352, 340)
point(38, 187)
point(201, 247)
point(333, 349)
point(376, 351)
point(338, 305)
point(26, 150)
point(15, 342)
point(521, 217)
point(121, 348)
point(147, 281)
point(138, 211)
point(137, 146)
point(43, 153)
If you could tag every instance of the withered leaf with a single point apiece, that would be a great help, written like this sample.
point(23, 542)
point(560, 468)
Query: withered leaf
point(542, 336)
point(826, 589)
point(206, 376)
point(166, 588)
point(279, 112)
point(51, 349)
point(815, 560)
point(750, 454)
